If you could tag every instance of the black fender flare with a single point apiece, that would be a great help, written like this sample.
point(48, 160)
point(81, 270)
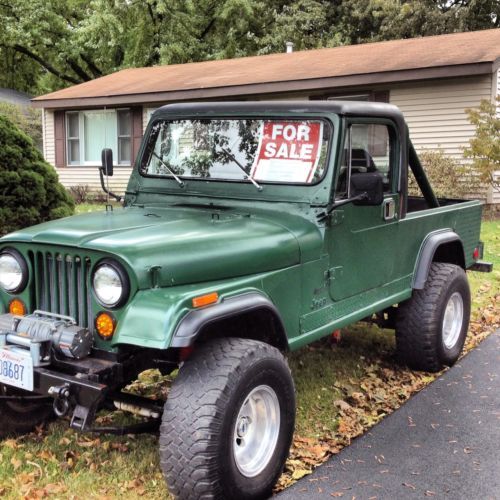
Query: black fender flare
point(426, 254)
point(191, 325)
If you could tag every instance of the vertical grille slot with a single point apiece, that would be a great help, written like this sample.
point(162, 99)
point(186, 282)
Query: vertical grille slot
point(62, 285)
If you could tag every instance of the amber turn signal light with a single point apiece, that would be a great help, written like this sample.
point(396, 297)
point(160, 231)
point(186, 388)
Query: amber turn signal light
point(105, 325)
point(205, 300)
point(17, 307)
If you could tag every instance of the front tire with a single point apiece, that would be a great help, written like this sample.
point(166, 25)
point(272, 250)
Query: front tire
point(431, 326)
point(21, 417)
point(228, 421)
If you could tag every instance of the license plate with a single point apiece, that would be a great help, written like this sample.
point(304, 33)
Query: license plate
point(16, 369)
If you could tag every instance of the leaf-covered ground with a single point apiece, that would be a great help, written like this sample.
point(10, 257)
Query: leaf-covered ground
point(344, 386)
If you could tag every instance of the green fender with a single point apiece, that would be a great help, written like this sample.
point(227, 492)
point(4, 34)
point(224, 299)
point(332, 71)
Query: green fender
point(164, 317)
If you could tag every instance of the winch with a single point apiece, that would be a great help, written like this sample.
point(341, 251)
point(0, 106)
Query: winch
point(42, 331)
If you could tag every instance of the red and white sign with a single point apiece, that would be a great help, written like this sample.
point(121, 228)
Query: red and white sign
point(288, 151)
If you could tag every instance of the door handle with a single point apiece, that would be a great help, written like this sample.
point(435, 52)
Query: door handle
point(389, 208)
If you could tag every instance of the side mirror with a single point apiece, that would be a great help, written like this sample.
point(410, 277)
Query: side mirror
point(369, 183)
point(107, 162)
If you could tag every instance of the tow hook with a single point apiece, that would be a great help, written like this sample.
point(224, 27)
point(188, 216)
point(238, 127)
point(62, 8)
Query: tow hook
point(61, 396)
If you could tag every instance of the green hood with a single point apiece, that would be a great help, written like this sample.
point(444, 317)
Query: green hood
point(190, 245)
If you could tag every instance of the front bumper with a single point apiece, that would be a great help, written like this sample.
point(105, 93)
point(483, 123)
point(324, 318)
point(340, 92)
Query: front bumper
point(71, 393)
point(76, 385)
point(79, 387)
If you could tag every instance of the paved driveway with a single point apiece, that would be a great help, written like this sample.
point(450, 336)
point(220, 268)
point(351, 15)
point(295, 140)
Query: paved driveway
point(443, 443)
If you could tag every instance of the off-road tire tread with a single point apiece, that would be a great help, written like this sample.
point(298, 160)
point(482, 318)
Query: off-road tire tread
point(192, 413)
point(418, 320)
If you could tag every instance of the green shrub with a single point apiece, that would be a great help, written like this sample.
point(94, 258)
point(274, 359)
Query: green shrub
point(28, 119)
point(448, 178)
point(484, 147)
point(29, 189)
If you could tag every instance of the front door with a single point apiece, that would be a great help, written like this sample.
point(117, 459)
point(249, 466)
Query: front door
point(362, 240)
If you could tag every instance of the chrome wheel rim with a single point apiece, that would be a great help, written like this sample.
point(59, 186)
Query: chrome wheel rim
point(453, 320)
point(256, 431)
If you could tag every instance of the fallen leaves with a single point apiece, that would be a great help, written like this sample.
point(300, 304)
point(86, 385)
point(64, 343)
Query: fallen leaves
point(136, 485)
point(16, 463)
point(483, 322)
point(43, 473)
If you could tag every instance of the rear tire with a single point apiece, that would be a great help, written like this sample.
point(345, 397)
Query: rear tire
point(431, 327)
point(21, 417)
point(228, 422)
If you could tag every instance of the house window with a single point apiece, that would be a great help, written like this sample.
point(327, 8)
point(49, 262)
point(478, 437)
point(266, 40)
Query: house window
point(88, 132)
point(73, 132)
point(352, 97)
point(124, 120)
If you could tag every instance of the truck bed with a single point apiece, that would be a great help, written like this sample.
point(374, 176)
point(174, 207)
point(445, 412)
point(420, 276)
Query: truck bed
point(418, 203)
point(461, 216)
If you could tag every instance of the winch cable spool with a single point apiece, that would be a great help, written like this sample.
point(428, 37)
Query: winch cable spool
point(64, 335)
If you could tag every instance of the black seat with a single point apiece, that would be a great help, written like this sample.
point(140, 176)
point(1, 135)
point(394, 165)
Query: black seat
point(361, 162)
point(362, 159)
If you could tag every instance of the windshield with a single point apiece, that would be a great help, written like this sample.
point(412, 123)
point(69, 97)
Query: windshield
point(252, 150)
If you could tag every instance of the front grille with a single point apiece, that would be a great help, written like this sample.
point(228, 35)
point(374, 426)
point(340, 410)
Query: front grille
point(62, 285)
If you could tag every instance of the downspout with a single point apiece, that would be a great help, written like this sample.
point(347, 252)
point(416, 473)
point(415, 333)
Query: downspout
point(421, 178)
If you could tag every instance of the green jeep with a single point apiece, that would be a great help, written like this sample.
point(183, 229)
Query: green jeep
point(247, 230)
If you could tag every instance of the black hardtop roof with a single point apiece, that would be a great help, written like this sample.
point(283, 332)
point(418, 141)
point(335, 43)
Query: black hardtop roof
point(344, 108)
point(350, 108)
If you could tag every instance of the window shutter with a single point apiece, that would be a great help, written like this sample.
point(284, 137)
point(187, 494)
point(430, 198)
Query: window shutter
point(136, 131)
point(60, 138)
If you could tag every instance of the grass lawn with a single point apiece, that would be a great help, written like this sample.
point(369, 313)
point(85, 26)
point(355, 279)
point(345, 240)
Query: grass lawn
point(342, 389)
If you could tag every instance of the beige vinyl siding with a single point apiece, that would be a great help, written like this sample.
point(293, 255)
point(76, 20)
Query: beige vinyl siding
point(49, 144)
point(435, 111)
point(145, 117)
point(495, 193)
point(89, 176)
point(498, 86)
point(147, 110)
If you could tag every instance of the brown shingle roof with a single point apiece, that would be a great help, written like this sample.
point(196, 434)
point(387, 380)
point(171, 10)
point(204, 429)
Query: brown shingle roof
point(370, 63)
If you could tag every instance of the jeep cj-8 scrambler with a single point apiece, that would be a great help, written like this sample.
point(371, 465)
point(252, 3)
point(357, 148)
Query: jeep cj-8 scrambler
point(247, 230)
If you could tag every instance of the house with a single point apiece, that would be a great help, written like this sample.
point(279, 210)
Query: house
point(432, 79)
point(11, 96)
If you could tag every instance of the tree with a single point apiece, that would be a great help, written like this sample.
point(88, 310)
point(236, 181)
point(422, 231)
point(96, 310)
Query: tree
point(359, 21)
point(484, 147)
point(306, 23)
point(29, 190)
point(73, 41)
point(49, 44)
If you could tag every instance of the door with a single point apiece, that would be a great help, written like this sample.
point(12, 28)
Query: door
point(361, 240)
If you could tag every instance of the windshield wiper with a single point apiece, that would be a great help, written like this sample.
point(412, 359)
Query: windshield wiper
point(170, 171)
point(242, 168)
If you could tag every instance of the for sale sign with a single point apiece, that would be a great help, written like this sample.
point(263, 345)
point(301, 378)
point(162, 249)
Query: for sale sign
point(288, 151)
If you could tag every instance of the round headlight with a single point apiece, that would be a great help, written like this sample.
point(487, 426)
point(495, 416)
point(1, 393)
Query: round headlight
point(111, 284)
point(13, 271)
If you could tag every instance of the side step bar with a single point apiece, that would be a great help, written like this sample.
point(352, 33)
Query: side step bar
point(481, 267)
